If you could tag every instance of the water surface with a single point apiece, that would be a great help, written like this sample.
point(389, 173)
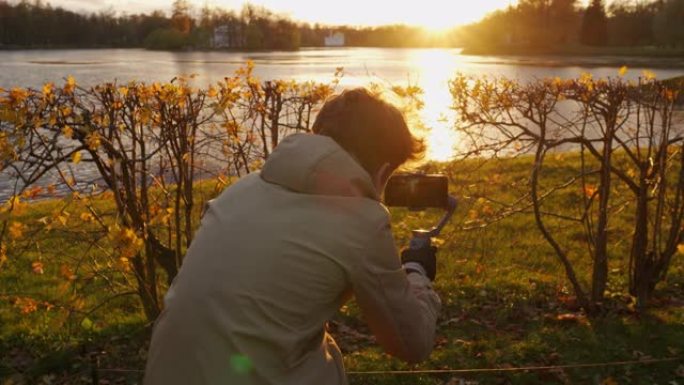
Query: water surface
point(428, 68)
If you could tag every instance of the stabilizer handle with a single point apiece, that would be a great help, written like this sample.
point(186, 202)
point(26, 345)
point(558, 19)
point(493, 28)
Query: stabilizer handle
point(423, 238)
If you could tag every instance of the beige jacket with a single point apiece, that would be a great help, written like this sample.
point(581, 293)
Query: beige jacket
point(277, 254)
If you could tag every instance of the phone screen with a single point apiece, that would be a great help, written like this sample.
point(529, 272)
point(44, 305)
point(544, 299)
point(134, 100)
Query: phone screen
point(417, 191)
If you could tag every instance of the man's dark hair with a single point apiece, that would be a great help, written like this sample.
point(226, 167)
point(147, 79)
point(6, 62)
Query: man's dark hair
point(372, 130)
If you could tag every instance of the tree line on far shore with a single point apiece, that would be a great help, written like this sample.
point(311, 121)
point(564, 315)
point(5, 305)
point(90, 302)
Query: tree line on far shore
point(552, 24)
point(37, 24)
point(526, 26)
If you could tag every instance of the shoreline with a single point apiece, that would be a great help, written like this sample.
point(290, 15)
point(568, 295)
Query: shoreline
point(559, 61)
point(577, 55)
point(572, 57)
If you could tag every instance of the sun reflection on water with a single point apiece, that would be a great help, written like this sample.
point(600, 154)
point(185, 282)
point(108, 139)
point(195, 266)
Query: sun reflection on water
point(431, 70)
point(436, 68)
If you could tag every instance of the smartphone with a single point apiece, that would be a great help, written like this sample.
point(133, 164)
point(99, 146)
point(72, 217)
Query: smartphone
point(417, 191)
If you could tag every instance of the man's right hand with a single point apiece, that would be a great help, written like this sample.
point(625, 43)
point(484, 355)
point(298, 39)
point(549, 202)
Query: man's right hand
point(425, 257)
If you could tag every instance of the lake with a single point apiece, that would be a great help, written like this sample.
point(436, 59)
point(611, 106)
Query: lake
point(428, 68)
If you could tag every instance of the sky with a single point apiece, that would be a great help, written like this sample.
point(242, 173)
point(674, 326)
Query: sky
point(434, 14)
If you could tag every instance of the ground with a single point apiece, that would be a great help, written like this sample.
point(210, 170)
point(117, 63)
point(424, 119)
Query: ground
point(506, 304)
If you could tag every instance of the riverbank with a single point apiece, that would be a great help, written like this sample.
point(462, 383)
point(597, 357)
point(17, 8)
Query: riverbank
point(570, 50)
point(52, 47)
point(655, 57)
point(350, 57)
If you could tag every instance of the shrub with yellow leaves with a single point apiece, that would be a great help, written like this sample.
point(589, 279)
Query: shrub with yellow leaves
point(70, 85)
point(125, 241)
point(148, 144)
point(599, 118)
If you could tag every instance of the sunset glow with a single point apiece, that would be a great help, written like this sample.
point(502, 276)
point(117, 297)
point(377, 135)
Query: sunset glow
point(432, 14)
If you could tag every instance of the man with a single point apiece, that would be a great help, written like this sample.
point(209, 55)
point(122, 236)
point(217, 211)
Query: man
point(279, 252)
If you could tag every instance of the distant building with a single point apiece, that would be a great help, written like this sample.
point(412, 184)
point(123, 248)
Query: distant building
point(227, 36)
point(335, 40)
point(221, 38)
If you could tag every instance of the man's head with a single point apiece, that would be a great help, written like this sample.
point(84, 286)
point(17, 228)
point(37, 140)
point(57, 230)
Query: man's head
point(371, 130)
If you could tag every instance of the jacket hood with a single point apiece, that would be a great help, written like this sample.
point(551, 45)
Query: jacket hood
point(316, 164)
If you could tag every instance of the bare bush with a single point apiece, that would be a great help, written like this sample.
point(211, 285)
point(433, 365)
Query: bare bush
point(626, 135)
point(147, 148)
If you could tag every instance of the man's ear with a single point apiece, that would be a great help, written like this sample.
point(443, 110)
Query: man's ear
point(381, 177)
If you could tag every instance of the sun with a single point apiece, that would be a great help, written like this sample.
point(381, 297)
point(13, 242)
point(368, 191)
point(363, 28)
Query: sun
point(440, 16)
point(437, 30)
point(434, 15)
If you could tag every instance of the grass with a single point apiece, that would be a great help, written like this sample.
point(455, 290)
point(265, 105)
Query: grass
point(506, 303)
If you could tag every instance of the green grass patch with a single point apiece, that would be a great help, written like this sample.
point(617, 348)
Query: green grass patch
point(506, 302)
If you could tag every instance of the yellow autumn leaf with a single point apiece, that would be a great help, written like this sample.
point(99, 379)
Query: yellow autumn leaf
point(16, 230)
point(66, 272)
point(126, 263)
point(76, 157)
point(590, 190)
point(37, 267)
point(68, 132)
point(15, 204)
point(93, 140)
point(680, 248)
point(18, 95)
point(623, 71)
point(70, 85)
point(670, 95)
point(32, 192)
point(61, 217)
point(649, 75)
point(439, 242)
point(126, 240)
point(78, 304)
point(87, 217)
point(145, 116)
point(47, 89)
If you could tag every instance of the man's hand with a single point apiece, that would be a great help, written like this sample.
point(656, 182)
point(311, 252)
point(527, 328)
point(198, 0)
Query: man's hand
point(424, 258)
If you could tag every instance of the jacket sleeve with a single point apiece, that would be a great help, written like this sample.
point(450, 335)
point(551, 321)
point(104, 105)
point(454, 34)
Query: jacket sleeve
point(401, 310)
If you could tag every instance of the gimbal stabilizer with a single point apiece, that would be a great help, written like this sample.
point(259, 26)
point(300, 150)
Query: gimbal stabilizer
point(423, 238)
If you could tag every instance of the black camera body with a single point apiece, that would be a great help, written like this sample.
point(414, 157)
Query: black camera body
point(420, 192)
point(417, 191)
